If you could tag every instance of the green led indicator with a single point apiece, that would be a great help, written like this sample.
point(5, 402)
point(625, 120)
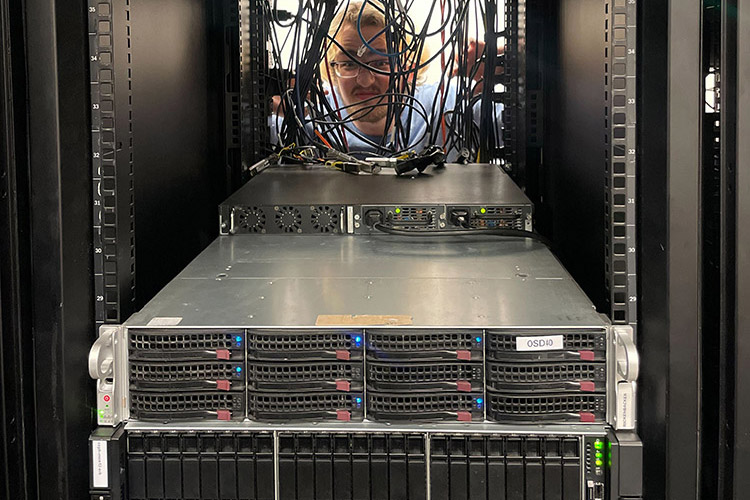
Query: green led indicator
point(483, 210)
point(609, 445)
point(598, 445)
point(599, 463)
point(599, 454)
point(398, 210)
point(101, 413)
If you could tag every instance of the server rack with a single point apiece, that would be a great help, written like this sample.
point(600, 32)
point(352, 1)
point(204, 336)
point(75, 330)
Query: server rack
point(59, 32)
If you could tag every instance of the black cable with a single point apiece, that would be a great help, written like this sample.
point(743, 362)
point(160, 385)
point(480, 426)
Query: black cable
point(307, 108)
point(514, 233)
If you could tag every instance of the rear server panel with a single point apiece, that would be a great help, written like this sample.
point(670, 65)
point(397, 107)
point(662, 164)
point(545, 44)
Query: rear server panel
point(410, 465)
point(314, 200)
point(307, 219)
point(379, 374)
point(354, 219)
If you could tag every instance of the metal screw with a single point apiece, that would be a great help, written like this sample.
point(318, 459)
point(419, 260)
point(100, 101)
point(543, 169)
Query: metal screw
point(442, 224)
point(357, 216)
point(356, 224)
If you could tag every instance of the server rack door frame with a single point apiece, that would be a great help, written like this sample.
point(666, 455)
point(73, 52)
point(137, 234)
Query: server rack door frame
point(17, 451)
point(61, 235)
point(741, 360)
point(683, 247)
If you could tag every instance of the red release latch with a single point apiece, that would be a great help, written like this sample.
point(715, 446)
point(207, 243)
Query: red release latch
point(463, 386)
point(343, 355)
point(344, 415)
point(463, 416)
point(586, 355)
point(463, 355)
point(223, 385)
point(588, 386)
point(223, 415)
point(587, 417)
point(343, 385)
point(223, 354)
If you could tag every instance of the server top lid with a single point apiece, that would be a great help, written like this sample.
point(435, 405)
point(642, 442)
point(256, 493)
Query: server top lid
point(279, 281)
point(473, 184)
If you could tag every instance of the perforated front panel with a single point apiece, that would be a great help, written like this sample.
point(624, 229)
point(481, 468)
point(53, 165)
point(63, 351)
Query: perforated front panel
point(572, 340)
point(186, 371)
point(303, 343)
point(561, 407)
point(313, 374)
point(420, 373)
point(423, 343)
point(186, 405)
point(429, 406)
point(181, 340)
point(546, 376)
point(323, 405)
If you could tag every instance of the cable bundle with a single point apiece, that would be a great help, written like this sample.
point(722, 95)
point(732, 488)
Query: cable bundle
point(314, 113)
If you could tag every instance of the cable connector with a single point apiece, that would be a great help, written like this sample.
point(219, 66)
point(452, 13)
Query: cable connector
point(383, 161)
point(432, 155)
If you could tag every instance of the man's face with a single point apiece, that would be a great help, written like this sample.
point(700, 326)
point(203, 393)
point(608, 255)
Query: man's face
point(366, 85)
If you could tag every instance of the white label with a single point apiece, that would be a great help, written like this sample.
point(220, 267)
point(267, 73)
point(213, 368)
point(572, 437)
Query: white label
point(625, 406)
point(164, 321)
point(544, 343)
point(99, 460)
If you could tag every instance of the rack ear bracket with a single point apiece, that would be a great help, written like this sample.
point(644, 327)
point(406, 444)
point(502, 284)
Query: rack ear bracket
point(627, 368)
point(102, 368)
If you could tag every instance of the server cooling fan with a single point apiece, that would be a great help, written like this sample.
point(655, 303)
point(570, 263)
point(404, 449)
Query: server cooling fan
point(251, 220)
point(289, 219)
point(324, 219)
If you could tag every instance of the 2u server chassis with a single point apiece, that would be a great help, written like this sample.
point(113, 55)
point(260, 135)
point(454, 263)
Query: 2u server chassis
point(389, 374)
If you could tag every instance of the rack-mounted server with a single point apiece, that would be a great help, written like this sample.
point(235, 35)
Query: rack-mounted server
point(367, 461)
point(260, 327)
point(316, 200)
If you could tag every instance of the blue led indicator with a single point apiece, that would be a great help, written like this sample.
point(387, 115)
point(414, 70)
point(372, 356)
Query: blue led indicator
point(238, 369)
point(358, 339)
point(359, 400)
point(480, 401)
point(238, 338)
point(479, 339)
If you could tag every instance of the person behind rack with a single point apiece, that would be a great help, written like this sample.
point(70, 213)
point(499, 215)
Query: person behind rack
point(376, 108)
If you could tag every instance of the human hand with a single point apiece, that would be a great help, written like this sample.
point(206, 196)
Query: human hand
point(276, 105)
point(475, 56)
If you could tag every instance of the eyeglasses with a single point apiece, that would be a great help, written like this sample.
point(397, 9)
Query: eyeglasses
point(350, 69)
